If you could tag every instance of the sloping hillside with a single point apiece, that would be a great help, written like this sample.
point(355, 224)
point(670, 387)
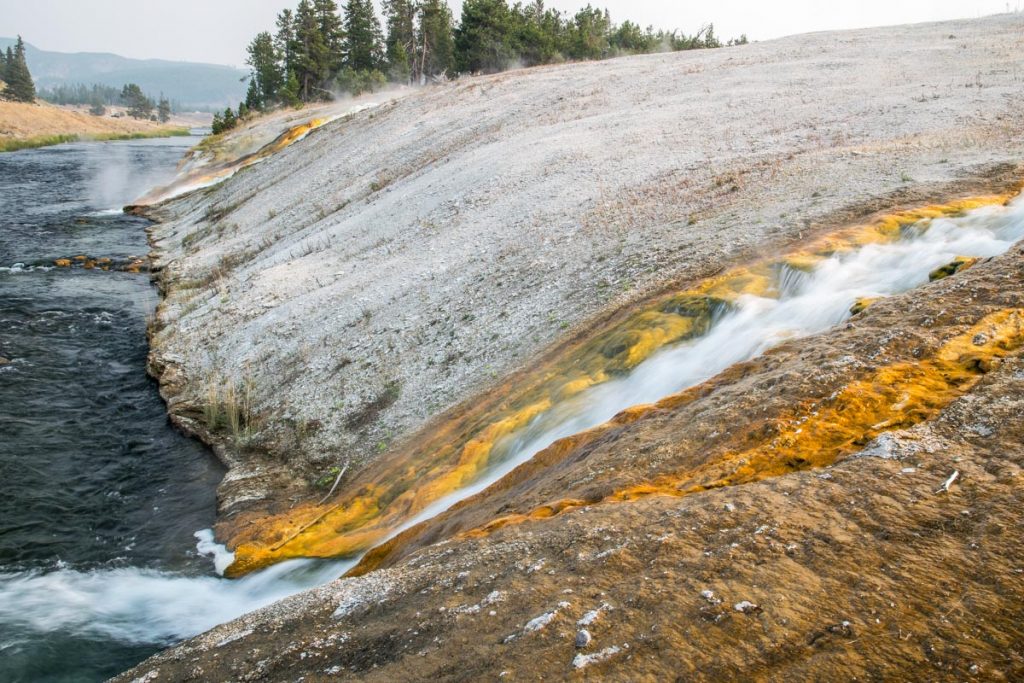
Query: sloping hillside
point(396, 302)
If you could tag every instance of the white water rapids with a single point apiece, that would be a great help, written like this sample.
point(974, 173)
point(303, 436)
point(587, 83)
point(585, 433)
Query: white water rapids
point(146, 606)
point(136, 605)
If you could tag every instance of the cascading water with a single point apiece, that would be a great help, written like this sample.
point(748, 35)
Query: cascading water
point(806, 303)
point(100, 497)
point(145, 606)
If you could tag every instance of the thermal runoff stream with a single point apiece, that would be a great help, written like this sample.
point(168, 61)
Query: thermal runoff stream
point(102, 500)
point(800, 302)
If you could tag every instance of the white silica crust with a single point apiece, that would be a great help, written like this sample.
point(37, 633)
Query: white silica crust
point(414, 254)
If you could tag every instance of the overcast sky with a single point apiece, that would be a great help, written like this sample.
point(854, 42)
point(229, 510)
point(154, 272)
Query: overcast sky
point(217, 30)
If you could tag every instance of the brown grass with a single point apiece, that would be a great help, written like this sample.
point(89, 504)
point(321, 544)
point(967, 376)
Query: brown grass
point(33, 125)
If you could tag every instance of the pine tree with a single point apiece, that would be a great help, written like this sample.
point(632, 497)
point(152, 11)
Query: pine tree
point(591, 29)
point(253, 99)
point(7, 74)
point(400, 16)
point(290, 92)
point(710, 39)
point(218, 123)
point(266, 72)
point(311, 56)
point(284, 41)
point(483, 38)
point(20, 87)
point(3, 66)
point(536, 33)
point(163, 110)
point(229, 119)
point(362, 36)
point(139, 106)
point(435, 51)
point(332, 33)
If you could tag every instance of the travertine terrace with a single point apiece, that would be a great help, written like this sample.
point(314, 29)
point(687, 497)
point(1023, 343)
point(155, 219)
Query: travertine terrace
point(412, 275)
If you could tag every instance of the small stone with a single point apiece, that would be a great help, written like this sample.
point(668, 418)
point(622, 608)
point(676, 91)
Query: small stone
point(844, 628)
point(709, 595)
point(4, 361)
point(982, 430)
point(746, 607)
point(583, 638)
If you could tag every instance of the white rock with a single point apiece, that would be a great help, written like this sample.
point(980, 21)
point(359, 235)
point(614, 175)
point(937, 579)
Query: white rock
point(583, 638)
point(582, 661)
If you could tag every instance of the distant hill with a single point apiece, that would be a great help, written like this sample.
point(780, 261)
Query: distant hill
point(190, 84)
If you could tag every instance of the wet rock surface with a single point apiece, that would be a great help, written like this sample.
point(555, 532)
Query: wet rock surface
point(672, 536)
point(389, 271)
point(868, 568)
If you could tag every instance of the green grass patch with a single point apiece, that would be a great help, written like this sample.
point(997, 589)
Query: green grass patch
point(15, 144)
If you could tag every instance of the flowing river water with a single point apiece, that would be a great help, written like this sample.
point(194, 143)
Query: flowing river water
point(101, 500)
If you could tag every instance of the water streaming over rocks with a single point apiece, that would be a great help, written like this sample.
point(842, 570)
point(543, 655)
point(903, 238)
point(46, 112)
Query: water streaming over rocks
point(804, 303)
point(100, 498)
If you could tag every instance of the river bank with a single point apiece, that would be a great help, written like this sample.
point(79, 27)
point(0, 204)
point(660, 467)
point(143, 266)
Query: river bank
point(28, 126)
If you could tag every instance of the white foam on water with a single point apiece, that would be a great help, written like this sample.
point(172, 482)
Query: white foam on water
point(16, 268)
point(135, 605)
point(208, 547)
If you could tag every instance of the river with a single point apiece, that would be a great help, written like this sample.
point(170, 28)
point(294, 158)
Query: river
point(100, 497)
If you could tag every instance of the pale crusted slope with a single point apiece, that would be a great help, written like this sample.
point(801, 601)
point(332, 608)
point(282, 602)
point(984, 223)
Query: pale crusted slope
point(397, 263)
